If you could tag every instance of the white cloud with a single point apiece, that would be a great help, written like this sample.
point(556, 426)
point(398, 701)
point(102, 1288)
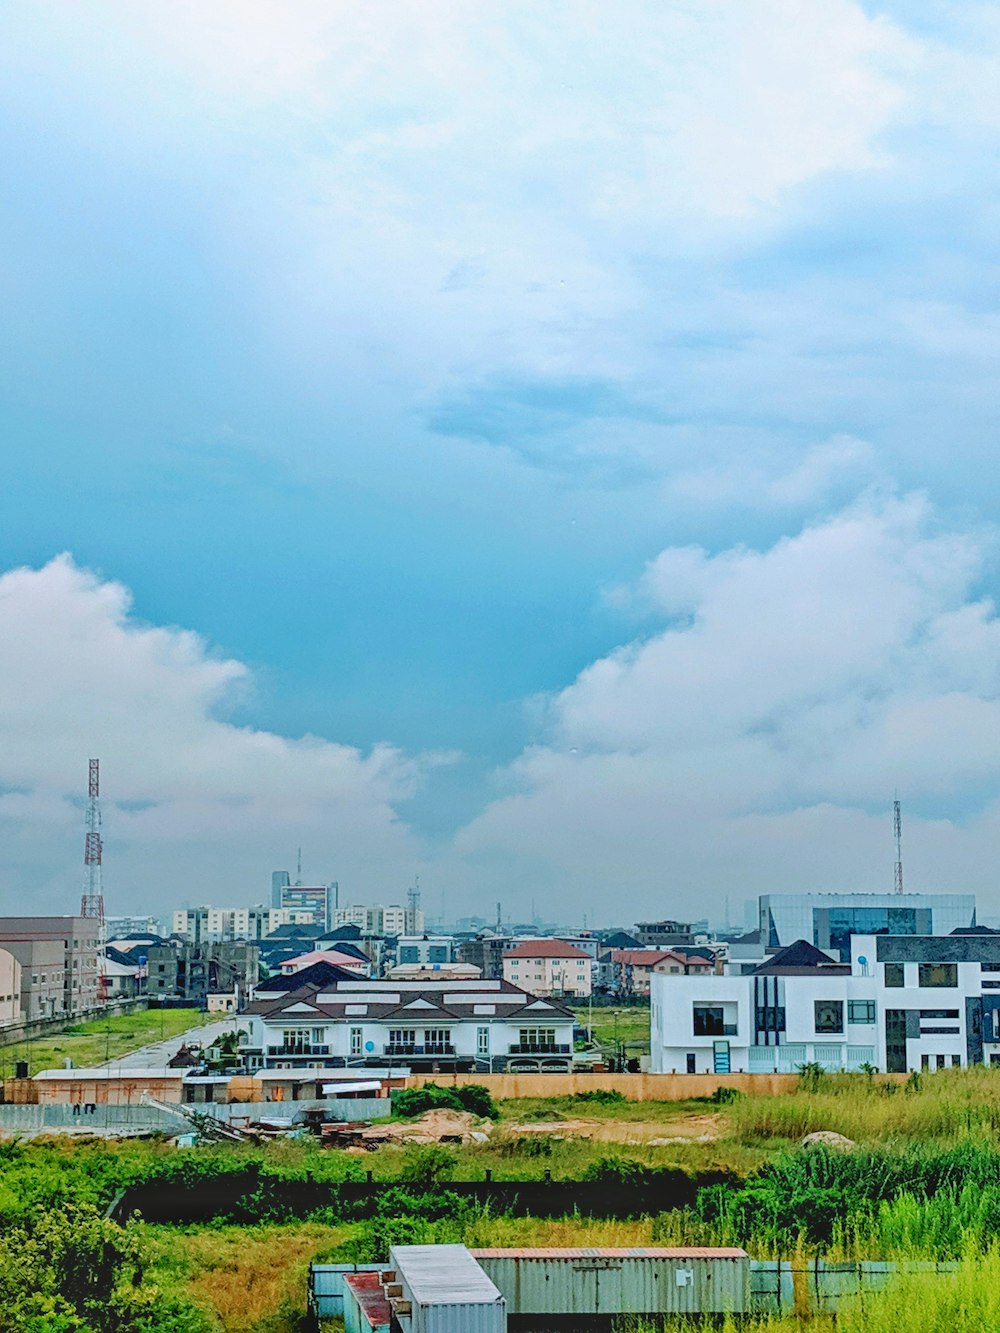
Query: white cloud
point(801, 686)
point(195, 804)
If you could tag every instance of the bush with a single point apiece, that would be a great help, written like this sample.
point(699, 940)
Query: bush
point(471, 1097)
point(601, 1096)
point(423, 1164)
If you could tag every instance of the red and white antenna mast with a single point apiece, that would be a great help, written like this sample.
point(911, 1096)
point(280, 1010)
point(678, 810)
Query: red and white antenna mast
point(92, 901)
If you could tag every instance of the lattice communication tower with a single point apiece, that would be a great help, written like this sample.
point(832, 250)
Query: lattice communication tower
point(897, 829)
point(92, 899)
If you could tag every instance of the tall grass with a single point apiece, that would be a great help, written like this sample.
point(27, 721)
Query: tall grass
point(941, 1107)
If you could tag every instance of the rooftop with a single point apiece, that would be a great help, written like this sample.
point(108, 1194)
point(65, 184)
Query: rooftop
point(442, 1275)
point(545, 949)
point(369, 1293)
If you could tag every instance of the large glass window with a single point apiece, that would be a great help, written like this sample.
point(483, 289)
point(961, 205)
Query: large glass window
point(848, 921)
point(356, 1035)
point(944, 975)
point(708, 1020)
point(894, 974)
point(861, 1011)
point(829, 1015)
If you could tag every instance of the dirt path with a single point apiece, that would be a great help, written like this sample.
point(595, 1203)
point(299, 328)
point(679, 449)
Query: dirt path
point(685, 1129)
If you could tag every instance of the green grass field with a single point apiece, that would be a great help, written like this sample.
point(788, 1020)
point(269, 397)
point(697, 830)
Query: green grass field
point(627, 1024)
point(101, 1039)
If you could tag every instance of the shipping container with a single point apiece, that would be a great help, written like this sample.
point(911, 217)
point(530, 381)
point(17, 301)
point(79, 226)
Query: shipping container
point(444, 1290)
point(326, 1287)
point(366, 1309)
point(611, 1282)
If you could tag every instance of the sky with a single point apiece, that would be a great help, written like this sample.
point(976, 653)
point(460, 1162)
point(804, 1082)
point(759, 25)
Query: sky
point(543, 448)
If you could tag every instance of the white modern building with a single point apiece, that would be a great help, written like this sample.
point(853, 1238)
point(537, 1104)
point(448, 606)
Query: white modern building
point(901, 1003)
point(215, 925)
point(828, 920)
point(380, 918)
point(485, 1026)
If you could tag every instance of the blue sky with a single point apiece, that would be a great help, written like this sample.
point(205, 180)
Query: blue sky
point(395, 353)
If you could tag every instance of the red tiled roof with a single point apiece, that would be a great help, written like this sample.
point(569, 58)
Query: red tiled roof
point(546, 949)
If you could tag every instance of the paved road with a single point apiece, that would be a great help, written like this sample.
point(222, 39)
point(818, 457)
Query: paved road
point(158, 1053)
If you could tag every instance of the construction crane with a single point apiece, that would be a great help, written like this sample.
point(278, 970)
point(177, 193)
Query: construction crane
point(92, 899)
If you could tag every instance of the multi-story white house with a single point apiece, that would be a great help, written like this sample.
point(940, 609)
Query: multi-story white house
point(550, 967)
point(902, 1002)
point(486, 1026)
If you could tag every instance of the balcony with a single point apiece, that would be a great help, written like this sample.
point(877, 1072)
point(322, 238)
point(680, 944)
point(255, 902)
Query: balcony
point(300, 1048)
point(435, 1048)
point(539, 1048)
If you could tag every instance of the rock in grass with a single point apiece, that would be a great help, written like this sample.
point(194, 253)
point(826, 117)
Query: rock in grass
point(827, 1138)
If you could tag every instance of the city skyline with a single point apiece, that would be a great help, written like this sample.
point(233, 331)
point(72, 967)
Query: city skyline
point(549, 454)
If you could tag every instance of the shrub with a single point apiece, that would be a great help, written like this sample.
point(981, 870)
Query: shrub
point(602, 1096)
point(471, 1097)
point(423, 1164)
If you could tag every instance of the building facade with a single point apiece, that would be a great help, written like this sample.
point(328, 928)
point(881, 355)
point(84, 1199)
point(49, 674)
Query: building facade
point(486, 952)
point(901, 1003)
point(380, 918)
point(550, 967)
point(194, 971)
point(485, 1026)
point(214, 925)
point(828, 920)
point(59, 962)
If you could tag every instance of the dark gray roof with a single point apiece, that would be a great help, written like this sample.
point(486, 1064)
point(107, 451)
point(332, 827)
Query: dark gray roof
point(412, 1002)
point(797, 958)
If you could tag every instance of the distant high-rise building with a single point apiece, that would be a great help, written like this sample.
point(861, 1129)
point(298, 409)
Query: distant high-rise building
point(313, 898)
point(280, 880)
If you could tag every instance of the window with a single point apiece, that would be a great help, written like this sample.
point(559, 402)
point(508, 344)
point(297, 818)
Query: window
point(403, 1037)
point(437, 1039)
point(861, 1011)
point(708, 1020)
point(771, 1018)
point(482, 1041)
point(356, 1041)
point(829, 1015)
point(691, 1063)
point(894, 974)
point(537, 1036)
point(944, 975)
point(940, 1061)
point(938, 1013)
point(437, 953)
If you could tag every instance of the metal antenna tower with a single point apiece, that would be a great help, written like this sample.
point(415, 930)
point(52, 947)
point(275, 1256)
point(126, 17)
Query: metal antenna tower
point(413, 903)
point(298, 872)
point(92, 899)
point(897, 829)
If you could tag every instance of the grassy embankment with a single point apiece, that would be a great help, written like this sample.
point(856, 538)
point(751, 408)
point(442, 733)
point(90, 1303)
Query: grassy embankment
point(100, 1039)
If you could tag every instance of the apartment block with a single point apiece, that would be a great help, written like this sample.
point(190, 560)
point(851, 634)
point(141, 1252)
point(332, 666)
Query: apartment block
point(58, 956)
point(214, 925)
point(194, 971)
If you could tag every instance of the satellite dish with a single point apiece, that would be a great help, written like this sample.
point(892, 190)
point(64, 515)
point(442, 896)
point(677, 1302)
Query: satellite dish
point(862, 960)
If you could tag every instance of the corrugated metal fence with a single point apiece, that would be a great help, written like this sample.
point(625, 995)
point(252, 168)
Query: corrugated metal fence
point(140, 1119)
